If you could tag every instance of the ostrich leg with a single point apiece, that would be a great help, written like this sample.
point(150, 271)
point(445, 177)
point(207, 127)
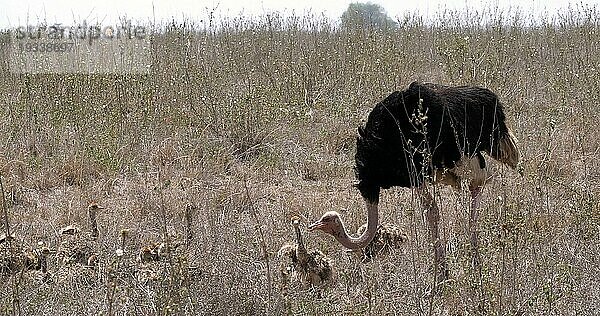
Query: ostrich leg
point(433, 219)
point(475, 199)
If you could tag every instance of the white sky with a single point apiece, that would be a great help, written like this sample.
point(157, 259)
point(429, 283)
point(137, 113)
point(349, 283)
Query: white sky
point(20, 13)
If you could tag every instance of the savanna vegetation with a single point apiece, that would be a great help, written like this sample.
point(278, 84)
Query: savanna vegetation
point(243, 122)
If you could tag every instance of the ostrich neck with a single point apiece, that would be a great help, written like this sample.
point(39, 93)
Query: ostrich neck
point(365, 238)
point(43, 263)
point(299, 238)
point(93, 224)
point(300, 250)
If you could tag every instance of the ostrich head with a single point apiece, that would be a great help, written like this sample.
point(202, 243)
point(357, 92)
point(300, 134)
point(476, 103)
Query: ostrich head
point(295, 221)
point(94, 207)
point(332, 224)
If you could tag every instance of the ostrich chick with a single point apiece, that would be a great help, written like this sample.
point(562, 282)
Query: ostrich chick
point(36, 259)
point(26, 259)
point(4, 238)
point(310, 268)
point(78, 247)
point(387, 238)
point(151, 253)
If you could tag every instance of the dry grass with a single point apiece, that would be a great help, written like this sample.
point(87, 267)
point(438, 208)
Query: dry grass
point(273, 104)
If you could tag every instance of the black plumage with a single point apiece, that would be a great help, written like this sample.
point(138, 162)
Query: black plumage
point(428, 127)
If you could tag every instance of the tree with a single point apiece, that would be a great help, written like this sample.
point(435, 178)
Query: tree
point(367, 14)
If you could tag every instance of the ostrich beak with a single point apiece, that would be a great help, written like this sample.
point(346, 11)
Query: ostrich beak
point(316, 225)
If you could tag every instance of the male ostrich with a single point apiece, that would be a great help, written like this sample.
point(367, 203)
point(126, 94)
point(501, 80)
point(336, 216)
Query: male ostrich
point(426, 133)
point(387, 238)
point(311, 268)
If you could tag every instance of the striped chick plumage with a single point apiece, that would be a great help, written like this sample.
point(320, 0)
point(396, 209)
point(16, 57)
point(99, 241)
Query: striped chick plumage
point(79, 247)
point(310, 268)
point(387, 238)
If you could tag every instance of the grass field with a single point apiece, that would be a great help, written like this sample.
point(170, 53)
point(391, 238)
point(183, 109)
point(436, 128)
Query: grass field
point(246, 122)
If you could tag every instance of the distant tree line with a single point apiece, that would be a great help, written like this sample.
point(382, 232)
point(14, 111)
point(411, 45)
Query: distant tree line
point(367, 15)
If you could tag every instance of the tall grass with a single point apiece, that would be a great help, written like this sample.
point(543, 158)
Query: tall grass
point(252, 119)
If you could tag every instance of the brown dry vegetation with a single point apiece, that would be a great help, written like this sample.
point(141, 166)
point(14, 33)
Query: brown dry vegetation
point(253, 120)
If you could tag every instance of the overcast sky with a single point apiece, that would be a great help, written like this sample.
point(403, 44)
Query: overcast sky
point(19, 13)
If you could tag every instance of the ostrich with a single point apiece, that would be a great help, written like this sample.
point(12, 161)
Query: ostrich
point(151, 252)
point(427, 133)
point(11, 259)
point(6, 238)
point(387, 238)
point(157, 251)
point(311, 268)
point(25, 258)
point(78, 247)
point(36, 259)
